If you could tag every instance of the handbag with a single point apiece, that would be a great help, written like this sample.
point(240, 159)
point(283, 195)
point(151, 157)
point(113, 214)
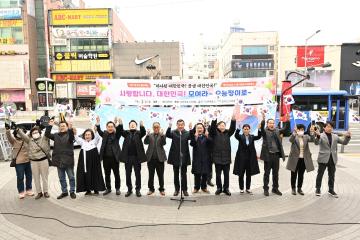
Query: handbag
point(46, 154)
point(13, 161)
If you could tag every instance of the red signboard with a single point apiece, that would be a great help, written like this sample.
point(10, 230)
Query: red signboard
point(314, 56)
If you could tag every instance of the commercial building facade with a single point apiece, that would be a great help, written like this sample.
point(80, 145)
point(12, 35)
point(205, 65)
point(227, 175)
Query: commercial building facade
point(248, 55)
point(147, 60)
point(350, 68)
point(17, 47)
point(292, 58)
point(81, 42)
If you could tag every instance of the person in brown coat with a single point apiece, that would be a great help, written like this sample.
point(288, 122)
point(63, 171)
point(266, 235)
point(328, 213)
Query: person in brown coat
point(300, 156)
point(22, 167)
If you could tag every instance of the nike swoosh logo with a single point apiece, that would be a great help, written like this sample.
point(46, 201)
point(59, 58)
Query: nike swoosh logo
point(356, 64)
point(141, 61)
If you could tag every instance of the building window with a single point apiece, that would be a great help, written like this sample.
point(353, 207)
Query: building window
point(272, 48)
point(9, 3)
point(11, 35)
point(248, 74)
point(271, 73)
point(254, 50)
point(89, 45)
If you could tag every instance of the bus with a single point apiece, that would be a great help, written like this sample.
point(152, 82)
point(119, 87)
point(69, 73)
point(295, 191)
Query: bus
point(318, 106)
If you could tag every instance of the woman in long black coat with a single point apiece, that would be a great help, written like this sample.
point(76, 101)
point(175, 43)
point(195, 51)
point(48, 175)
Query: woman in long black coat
point(88, 173)
point(246, 159)
point(200, 141)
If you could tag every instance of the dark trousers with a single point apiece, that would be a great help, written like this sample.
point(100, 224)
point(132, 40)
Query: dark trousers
point(299, 174)
point(247, 169)
point(210, 175)
point(133, 163)
point(111, 164)
point(183, 178)
point(271, 164)
point(153, 165)
point(23, 169)
point(331, 172)
point(225, 168)
point(200, 181)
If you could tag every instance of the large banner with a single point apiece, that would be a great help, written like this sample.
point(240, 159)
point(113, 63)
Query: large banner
point(247, 91)
point(167, 101)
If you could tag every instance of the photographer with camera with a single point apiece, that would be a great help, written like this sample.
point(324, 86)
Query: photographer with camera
point(20, 160)
point(39, 156)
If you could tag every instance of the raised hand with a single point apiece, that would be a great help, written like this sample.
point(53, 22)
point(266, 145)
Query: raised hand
point(120, 121)
point(141, 123)
point(97, 120)
point(233, 117)
point(196, 135)
point(148, 132)
point(161, 131)
point(170, 124)
point(206, 133)
point(74, 131)
point(348, 134)
point(190, 125)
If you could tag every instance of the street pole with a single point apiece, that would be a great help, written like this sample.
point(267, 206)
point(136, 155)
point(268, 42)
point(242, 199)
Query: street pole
point(306, 44)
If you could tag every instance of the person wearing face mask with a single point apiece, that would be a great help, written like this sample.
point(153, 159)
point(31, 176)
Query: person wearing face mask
point(221, 152)
point(63, 156)
point(200, 141)
point(22, 163)
point(327, 157)
point(174, 155)
point(300, 156)
point(39, 150)
point(156, 157)
point(246, 159)
point(88, 174)
point(110, 152)
point(271, 152)
point(133, 154)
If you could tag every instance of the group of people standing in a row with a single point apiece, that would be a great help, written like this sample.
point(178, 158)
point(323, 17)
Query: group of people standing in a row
point(210, 145)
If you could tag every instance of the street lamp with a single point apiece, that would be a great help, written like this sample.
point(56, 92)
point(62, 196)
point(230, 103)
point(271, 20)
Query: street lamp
point(306, 43)
point(305, 76)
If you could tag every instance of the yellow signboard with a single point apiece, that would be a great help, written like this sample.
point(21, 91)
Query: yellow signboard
point(62, 17)
point(70, 77)
point(7, 41)
point(82, 66)
point(11, 23)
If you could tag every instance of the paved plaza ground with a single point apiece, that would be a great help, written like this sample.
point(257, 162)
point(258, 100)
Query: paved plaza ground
point(227, 213)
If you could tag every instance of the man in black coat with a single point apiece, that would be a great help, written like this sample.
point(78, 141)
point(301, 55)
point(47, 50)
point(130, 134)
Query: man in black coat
point(221, 152)
point(156, 157)
point(133, 154)
point(110, 153)
point(271, 152)
point(63, 156)
point(180, 140)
